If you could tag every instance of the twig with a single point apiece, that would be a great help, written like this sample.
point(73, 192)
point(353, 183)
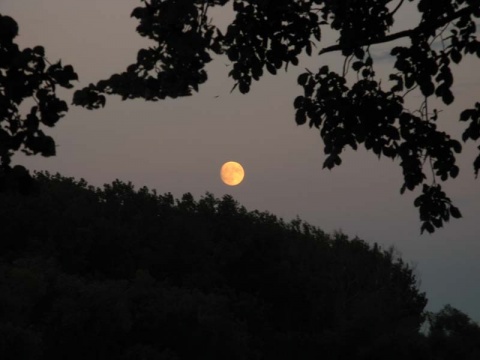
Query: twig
point(398, 7)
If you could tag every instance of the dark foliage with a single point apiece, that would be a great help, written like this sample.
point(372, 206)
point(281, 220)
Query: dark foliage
point(271, 34)
point(115, 273)
point(452, 335)
point(26, 76)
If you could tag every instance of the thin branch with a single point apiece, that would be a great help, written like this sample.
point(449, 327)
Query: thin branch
point(349, 61)
point(409, 91)
point(439, 35)
point(345, 62)
point(434, 181)
point(205, 8)
point(424, 27)
point(401, 34)
point(398, 7)
point(36, 100)
point(424, 114)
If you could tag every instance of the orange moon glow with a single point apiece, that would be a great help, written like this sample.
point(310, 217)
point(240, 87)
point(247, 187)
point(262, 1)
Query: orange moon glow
point(232, 173)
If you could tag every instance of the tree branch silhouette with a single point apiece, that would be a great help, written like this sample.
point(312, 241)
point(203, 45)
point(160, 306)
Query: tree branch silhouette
point(422, 28)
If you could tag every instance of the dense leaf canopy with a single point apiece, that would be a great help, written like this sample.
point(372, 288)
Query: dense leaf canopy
point(123, 274)
point(26, 77)
point(452, 335)
point(119, 273)
point(268, 35)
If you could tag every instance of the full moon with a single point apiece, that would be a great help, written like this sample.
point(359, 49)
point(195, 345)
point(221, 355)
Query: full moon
point(232, 173)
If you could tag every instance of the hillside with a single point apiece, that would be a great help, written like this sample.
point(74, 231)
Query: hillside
point(119, 273)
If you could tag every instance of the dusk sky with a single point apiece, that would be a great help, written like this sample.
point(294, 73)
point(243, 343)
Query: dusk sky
point(179, 145)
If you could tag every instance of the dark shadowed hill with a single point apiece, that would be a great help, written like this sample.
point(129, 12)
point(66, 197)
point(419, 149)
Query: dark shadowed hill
point(119, 273)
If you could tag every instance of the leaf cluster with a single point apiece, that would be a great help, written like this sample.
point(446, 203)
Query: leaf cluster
point(26, 76)
point(174, 66)
point(264, 35)
point(473, 130)
point(367, 113)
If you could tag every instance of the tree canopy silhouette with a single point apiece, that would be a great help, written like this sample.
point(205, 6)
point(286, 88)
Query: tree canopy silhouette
point(118, 273)
point(268, 35)
point(123, 274)
point(27, 77)
point(453, 335)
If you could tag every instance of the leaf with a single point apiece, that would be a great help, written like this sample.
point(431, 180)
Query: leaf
point(389, 152)
point(39, 50)
point(398, 87)
point(427, 87)
point(328, 163)
point(456, 56)
point(303, 78)
point(243, 87)
point(455, 212)
point(447, 97)
point(457, 147)
point(300, 117)
point(48, 146)
point(324, 70)
point(476, 165)
point(308, 48)
point(454, 171)
point(8, 29)
point(427, 226)
point(337, 160)
point(418, 201)
point(467, 114)
point(366, 73)
point(438, 223)
point(138, 12)
point(396, 50)
point(101, 100)
point(233, 54)
point(409, 81)
point(466, 134)
point(357, 65)
point(271, 69)
point(69, 73)
point(331, 161)
point(359, 53)
point(257, 71)
point(298, 102)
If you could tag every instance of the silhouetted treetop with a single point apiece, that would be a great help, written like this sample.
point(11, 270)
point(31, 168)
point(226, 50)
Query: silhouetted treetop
point(121, 273)
point(453, 335)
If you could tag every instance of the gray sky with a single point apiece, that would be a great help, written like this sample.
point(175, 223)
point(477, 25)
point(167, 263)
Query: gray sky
point(179, 145)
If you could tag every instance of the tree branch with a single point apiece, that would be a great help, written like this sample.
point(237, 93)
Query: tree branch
point(398, 7)
point(423, 27)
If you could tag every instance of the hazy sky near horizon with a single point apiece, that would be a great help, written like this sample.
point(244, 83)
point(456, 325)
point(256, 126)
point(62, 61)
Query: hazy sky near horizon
point(179, 145)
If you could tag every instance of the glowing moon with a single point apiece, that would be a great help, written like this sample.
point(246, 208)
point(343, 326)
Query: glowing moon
point(232, 173)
